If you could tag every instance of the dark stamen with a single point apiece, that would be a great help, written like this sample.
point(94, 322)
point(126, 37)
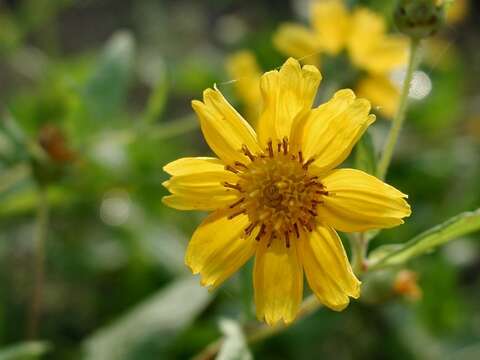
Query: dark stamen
point(270, 148)
point(287, 239)
point(295, 227)
point(260, 233)
point(250, 228)
point(237, 203)
point(300, 157)
point(270, 240)
point(285, 145)
point(279, 147)
point(232, 186)
point(247, 152)
point(231, 168)
point(307, 164)
point(231, 216)
point(239, 164)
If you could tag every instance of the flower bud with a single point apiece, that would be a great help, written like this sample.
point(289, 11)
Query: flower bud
point(419, 18)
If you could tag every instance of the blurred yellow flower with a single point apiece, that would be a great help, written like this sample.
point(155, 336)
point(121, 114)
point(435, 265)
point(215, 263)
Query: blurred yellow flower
point(243, 68)
point(275, 194)
point(456, 11)
point(362, 33)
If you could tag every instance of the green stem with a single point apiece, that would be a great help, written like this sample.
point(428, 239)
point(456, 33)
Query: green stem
point(399, 118)
point(40, 236)
point(359, 246)
point(261, 332)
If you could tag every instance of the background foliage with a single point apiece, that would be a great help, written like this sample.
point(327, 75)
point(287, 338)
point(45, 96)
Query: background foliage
point(116, 78)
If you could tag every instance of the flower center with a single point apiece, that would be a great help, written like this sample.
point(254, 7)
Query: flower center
point(279, 195)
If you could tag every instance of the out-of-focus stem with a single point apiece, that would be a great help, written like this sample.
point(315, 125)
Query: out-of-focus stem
point(261, 332)
point(399, 118)
point(40, 236)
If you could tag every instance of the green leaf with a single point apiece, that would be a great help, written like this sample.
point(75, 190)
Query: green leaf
point(365, 158)
point(234, 345)
point(161, 317)
point(107, 87)
point(25, 350)
point(451, 229)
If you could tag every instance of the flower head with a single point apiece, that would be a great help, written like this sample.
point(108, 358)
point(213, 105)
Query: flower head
point(276, 195)
point(362, 33)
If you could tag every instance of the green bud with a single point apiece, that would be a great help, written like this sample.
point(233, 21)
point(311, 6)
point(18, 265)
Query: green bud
point(419, 18)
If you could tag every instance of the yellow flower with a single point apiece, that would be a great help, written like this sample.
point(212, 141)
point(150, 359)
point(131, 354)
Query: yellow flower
point(456, 11)
point(381, 92)
point(361, 32)
point(275, 194)
point(243, 68)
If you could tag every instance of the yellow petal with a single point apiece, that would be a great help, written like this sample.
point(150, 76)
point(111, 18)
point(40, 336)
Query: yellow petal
point(332, 129)
point(387, 54)
point(224, 128)
point(194, 165)
point(331, 22)
point(369, 46)
point(327, 269)
point(357, 201)
point(367, 28)
point(278, 282)
point(243, 68)
point(206, 203)
point(197, 184)
point(218, 248)
point(288, 95)
point(381, 92)
point(299, 42)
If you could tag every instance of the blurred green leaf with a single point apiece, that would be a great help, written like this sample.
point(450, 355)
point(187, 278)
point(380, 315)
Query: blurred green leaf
point(365, 158)
point(162, 316)
point(107, 87)
point(234, 345)
point(25, 350)
point(451, 229)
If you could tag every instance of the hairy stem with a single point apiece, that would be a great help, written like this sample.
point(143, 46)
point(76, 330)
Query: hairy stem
point(399, 118)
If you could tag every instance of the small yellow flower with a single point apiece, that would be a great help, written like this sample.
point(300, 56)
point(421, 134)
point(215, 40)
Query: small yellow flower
point(275, 194)
point(244, 69)
point(361, 32)
point(457, 10)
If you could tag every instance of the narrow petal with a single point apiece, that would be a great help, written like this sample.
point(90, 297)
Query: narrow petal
point(357, 201)
point(331, 21)
point(332, 129)
point(224, 128)
point(327, 269)
point(278, 282)
point(288, 95)
point(194, 165)
point(299, 42)
point(381, 92)
point(218, 248)
point(197, 184)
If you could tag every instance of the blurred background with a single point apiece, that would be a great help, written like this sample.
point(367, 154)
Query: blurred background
point(95, 99)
